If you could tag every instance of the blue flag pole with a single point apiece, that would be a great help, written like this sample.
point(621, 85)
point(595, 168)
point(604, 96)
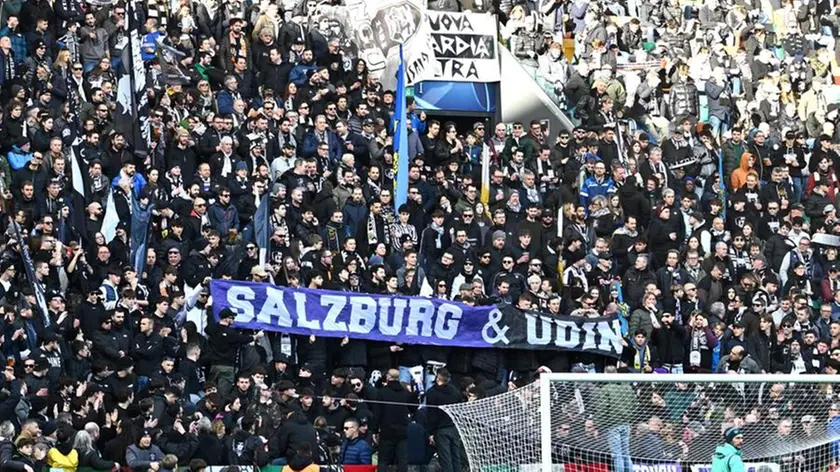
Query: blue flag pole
point(400, 131)
point(261, 227)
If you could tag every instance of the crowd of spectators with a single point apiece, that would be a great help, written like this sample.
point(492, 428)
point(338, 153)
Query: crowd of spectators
point(695, 200)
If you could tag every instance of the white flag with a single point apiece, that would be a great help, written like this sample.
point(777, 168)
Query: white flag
point(111, 220)
point(76, 169)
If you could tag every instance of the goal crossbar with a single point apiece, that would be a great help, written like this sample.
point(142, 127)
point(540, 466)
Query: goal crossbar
point(693, 378)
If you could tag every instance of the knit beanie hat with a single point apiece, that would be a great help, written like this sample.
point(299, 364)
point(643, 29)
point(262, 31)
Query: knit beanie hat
point(731, 434)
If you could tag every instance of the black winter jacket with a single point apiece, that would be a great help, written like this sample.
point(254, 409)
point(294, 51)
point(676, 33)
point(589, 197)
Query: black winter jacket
point(393, 413)
point(441, 395)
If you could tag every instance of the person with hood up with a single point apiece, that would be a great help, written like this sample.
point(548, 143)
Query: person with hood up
point(63, 455)
point(727, 456)
point(294, 435)
point(302, 461)
point(739, 176)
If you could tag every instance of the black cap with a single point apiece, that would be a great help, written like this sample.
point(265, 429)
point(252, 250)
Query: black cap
point(124, 363)
point(226, 313)
point(48, 428)
point(284, 385)
point(42, 364)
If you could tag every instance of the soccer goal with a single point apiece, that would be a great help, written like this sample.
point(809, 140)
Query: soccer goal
point(654, 423)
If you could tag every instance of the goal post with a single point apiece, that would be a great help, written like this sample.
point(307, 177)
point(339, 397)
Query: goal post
point(654, 423)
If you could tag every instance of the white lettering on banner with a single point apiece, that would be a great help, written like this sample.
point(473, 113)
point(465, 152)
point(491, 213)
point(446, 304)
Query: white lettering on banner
point(570, 334)
point(336, 304)
point(240, 298)
point(657, 468)
point(274, 310)
point(420, 312)
point(605, 327)
point(545, 326)
point(447, 320)
point(391, 326)
point(362, 314)
point(302, 321)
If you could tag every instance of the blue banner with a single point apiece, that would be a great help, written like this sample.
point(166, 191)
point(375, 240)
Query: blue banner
point(411, 320)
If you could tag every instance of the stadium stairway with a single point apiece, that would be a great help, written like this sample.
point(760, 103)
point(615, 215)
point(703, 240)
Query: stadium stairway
point(522, 98)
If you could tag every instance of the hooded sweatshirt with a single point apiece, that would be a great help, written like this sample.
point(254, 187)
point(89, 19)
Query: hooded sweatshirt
point(727, 458)
point(301, 464)
point(63, 456)
point(739, 176)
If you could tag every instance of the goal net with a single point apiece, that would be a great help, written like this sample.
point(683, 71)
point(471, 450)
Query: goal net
point(655, 423)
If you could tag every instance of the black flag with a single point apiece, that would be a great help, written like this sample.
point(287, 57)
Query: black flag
point(37, 287)
point(132, 119)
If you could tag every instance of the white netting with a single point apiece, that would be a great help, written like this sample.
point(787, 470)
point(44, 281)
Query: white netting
point(668, 426)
